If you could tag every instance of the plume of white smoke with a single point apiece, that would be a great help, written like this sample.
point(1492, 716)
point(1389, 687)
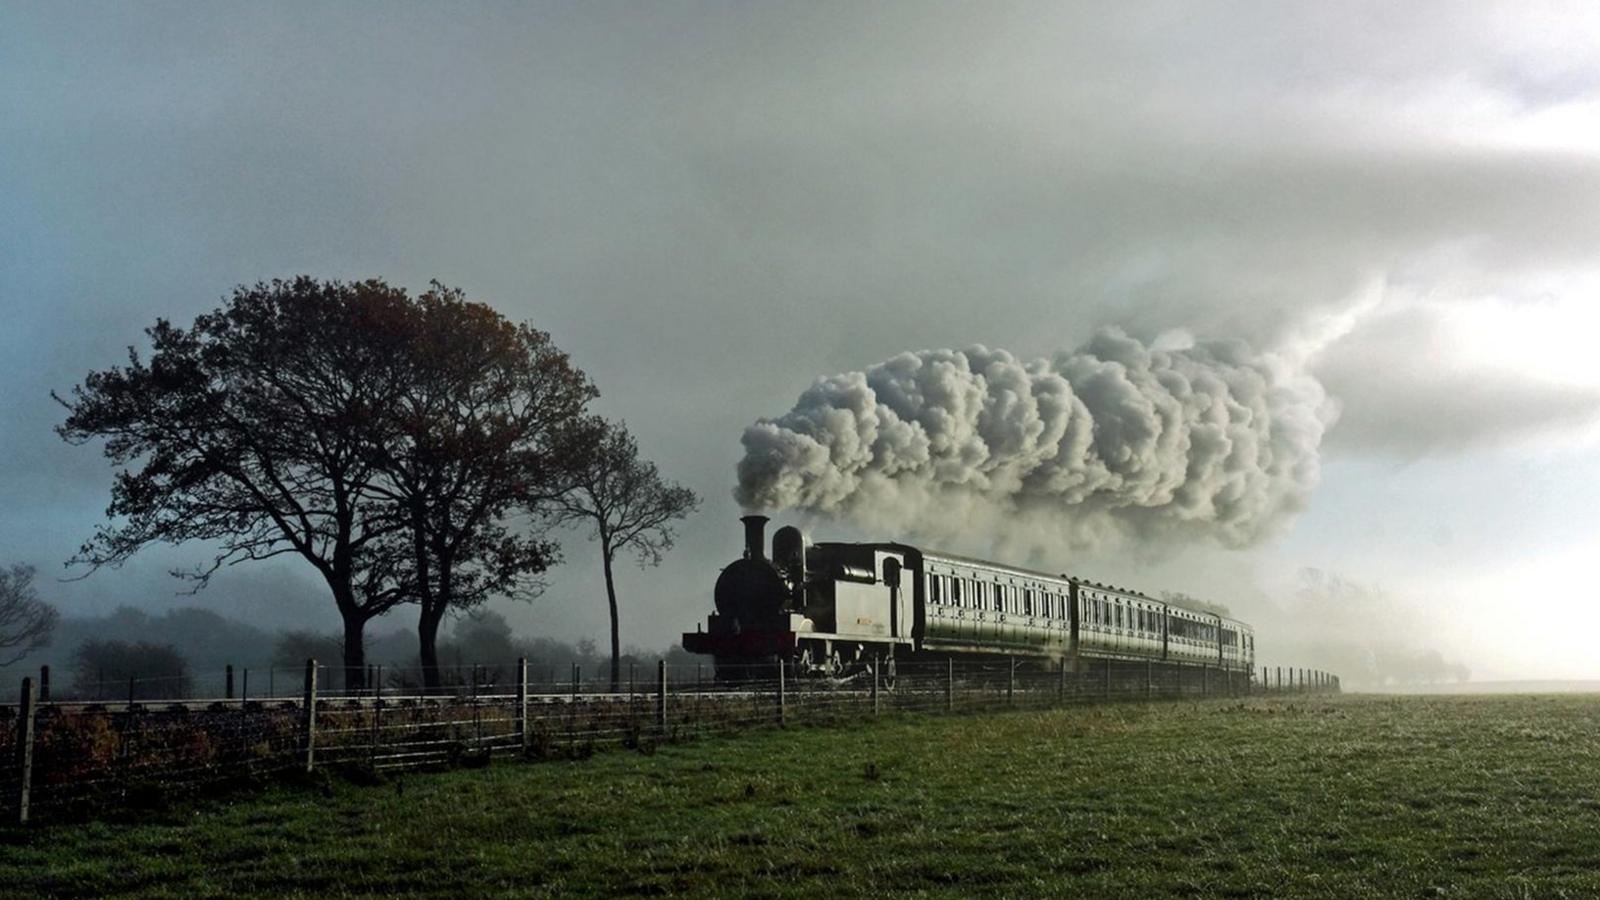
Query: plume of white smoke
point(1171, 439)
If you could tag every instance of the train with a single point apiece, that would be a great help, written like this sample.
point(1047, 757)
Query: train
point(830, 610)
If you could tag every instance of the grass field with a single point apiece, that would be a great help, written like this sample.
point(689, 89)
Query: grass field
point(1343, 796)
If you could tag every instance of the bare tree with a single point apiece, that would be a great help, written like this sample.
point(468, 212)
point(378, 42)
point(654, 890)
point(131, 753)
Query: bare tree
point(628, 508)
point(251, 430)
point(26, 622)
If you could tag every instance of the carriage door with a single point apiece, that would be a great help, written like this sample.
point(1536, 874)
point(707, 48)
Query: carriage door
point(891, 578)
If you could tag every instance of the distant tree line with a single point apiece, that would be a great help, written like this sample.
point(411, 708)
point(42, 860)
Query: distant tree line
point(184, 652)
point(413, 450)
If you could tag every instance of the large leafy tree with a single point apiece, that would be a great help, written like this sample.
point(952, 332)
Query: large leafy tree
point(252, 431)
point(627, 506)
point(482, 445)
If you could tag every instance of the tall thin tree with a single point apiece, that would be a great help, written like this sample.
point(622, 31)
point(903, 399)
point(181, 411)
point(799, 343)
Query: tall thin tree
point(627, 506)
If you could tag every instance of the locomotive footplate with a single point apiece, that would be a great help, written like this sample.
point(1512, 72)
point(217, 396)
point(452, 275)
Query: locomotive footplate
point(743, 644)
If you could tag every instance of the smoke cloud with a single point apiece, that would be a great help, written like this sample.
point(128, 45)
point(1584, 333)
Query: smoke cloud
point(1172, 439)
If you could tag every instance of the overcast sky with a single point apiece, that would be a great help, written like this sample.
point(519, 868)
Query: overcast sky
point(711, 205)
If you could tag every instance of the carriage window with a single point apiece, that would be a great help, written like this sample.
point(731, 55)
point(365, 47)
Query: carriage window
point(1027, 602)
point(955, 590)
point(934, 594)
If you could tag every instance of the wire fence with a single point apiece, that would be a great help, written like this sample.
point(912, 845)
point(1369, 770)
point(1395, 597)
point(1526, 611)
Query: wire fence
point(79, 756)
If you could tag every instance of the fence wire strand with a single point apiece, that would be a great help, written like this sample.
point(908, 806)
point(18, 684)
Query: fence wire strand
point(90, 754)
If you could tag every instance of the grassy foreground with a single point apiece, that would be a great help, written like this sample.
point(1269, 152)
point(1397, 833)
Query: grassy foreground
point(1352, 796)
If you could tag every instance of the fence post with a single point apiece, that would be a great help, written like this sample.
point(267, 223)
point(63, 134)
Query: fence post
point(874, 666)
point(375, 679)
point(308, 737)
point(522, 705)
point(949, 684)
point(661, 696)
point(24, 751)
point(1149, 686)
point(1061, 682)
point(227, 682)
point(1108, 679)
point(44, 684)
point(1011, 680)
point(783, 700)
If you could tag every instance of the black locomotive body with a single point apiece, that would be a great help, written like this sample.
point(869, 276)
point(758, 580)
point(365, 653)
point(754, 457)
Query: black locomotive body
point(829, 608)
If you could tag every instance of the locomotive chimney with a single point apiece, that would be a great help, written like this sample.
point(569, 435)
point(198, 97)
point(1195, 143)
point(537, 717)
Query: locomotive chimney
point(755, 528)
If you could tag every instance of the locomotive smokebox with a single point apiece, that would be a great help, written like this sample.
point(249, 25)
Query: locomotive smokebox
point(755, 536)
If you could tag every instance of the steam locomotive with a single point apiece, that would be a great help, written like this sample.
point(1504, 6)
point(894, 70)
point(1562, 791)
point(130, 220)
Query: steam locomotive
point(829, 609)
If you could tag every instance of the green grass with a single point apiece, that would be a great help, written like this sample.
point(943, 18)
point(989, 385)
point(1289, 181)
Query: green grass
point(1354, 796)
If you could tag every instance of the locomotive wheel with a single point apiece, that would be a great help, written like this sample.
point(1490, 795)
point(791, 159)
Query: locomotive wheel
point(833, 666)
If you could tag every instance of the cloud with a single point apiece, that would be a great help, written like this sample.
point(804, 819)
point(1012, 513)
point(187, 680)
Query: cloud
point(1407, 389)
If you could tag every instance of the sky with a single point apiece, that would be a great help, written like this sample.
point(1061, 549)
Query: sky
point(711, 205)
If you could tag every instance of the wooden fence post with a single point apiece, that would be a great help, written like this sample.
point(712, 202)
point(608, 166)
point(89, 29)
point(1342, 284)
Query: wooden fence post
point(1011, 680)
point(227, 683)
point(1205, 679)
point(661, 697)
point(308, 736)
point(375, 679)
point(949, 684)
point(572, 707)
point(875, 665)
point(1108, 679)
point(44, 684)
point(1061, 682)
point(783, 700)
point(522, 705)
point(1149, 681)
point(24, 750)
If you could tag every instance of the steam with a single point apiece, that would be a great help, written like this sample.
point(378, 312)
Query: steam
point(1170, 439)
